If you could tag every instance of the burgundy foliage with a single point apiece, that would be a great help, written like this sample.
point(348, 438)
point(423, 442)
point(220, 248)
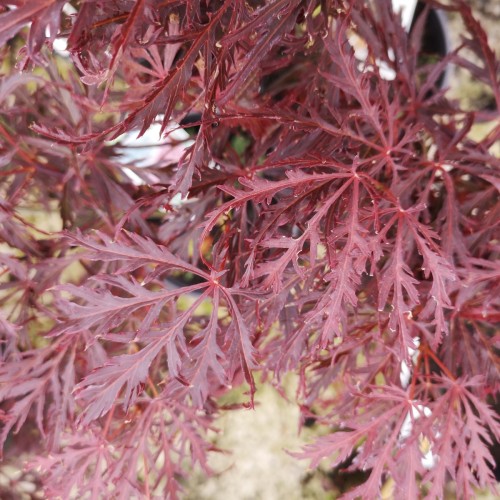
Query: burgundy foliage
point(333, 224)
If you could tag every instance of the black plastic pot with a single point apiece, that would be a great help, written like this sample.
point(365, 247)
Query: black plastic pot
point(435, 41)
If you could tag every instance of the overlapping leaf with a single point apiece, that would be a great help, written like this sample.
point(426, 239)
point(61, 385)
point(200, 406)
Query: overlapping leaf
point(332, 223)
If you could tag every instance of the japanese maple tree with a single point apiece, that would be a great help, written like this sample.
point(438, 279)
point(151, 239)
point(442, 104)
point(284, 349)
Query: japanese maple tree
point(315, 217)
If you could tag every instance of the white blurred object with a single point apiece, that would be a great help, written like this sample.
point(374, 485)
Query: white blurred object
point(150, 148)
point(406, 8)
point(429, 459)
point(406, 369)
point(146, 150)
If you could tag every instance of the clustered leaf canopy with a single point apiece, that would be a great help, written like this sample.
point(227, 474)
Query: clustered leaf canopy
point(301, 213)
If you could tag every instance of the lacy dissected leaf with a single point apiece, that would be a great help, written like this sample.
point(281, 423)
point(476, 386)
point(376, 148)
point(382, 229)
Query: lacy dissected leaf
point(100, 389)
point(74, 467)
point(190, 164)
point(381, 430)
point(405, 296)
point(206, 356)
point(271, 30)
point(169, 435)
point(463, 427)
point(346, 268)
point(124, 33)
point(103, 311)
point(162, 98)
point(132, 251)
point(315, 203)
point(166, 438)
point(43, 15)
point(39, 382)
point(262, 191)
point(442, 274)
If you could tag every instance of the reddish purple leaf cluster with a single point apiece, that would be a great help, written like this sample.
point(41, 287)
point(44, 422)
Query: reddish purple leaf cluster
point(332, 223)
